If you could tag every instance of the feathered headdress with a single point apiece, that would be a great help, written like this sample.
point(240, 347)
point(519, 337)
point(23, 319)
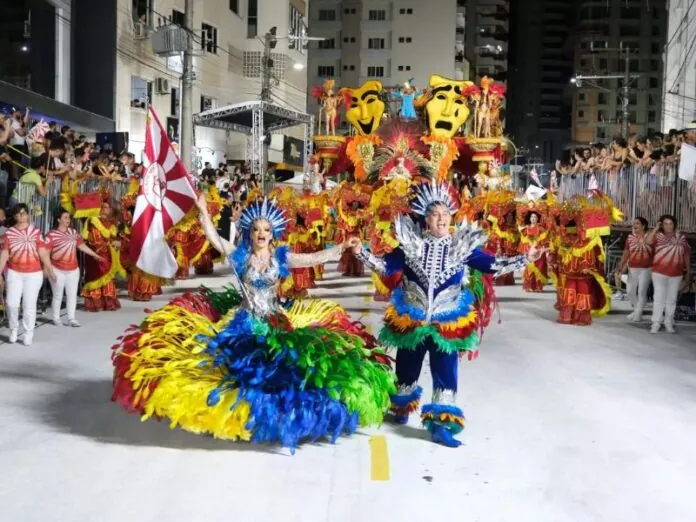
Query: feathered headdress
point(263, 210)
point(427, 194)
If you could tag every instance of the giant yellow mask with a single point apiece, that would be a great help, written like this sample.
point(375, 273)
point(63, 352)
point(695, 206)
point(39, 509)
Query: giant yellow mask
point(447, 108)
point(366, 108)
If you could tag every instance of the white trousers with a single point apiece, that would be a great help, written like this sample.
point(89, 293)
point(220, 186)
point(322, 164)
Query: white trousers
point(23, 288)
point(68, 282)
point(665, 294)
point(637, 288)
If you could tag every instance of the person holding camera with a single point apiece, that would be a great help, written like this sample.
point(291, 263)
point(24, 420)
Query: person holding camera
point(671, 271)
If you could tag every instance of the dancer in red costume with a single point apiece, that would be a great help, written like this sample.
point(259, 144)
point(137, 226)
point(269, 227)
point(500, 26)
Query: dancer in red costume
point(532, 219)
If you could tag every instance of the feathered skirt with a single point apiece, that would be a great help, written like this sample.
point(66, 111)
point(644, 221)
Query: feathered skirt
point(211, 367)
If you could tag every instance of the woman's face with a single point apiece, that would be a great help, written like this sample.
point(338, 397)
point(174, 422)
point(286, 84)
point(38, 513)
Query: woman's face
point(668, 226)
point(638, 226)
point(438, 221)
point(533, 218)
point(22, 217)
point(261, 234)
point(64, 220)
point(106, 211)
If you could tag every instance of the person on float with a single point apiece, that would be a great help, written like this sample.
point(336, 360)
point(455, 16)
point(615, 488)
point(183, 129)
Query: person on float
point(63, 242)
point(637, 259)
point(249, 368)
point(671, 271)
point(26, 258)
point(101, 235)
point(433, 311)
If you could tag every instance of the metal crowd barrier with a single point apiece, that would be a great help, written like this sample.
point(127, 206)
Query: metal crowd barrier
point(43, 209)
point(639, 191)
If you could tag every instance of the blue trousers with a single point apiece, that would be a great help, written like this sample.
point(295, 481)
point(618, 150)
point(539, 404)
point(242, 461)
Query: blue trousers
point(444, 367)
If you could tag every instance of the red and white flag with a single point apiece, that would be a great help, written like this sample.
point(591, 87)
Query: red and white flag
point(166, 195)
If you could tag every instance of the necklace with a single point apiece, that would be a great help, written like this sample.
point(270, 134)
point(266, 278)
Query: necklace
point(260, 263)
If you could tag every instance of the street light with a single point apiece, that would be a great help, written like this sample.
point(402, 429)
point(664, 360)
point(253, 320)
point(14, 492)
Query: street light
point(298, 66)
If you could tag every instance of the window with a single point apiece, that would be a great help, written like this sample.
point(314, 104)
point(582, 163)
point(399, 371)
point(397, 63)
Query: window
point(581, 97)
point(141, 93)
point(601, 133)
point(177, 18)
point(655, 48)
point(142, 10)
point(207, 103)
point(234, 6)
point(652, 116)
point(655, 30)
point(298, 30)
point(654, 65)
point(651, 100)
point(209, 40)
point(325, 71)
point(401, 39)
point(346, 39)
point(581, 114)
point(654, 82)
point(329, 43)
point(601, 116)
point(409, 11)
point(629, 30)
point(407, 39)
point(252, 19)
point(375, 71)
point(402, 11)
point(400, 67)
point(408, 67)
point(174, 105)
point(602, 98)
point(327, 15)
point(378, 15)
point(375, 43)
point(346, 11)
point(352, 67)
point(349, 67)
point(603, 63)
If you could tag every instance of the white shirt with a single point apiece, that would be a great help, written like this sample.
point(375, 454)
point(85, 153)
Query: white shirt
point(16, 138)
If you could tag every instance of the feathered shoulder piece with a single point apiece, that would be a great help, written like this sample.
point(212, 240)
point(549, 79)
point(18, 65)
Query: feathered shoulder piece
point(467, 237)
point(409, 237)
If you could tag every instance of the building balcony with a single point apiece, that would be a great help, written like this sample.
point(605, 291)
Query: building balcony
point(497, 12)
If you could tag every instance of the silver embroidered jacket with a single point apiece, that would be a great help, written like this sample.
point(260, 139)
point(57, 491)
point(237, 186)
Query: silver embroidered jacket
point(435, 271)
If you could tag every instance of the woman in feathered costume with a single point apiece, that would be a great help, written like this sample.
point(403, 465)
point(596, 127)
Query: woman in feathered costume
point(434, 309)
point(250, 369)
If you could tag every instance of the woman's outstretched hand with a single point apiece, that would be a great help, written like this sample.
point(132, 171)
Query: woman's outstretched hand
point(202, 203)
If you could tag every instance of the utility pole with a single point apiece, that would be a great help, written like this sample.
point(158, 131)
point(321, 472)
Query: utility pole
point(626, 92)
point(626, 77)
point(269, 43)
point(186, 132)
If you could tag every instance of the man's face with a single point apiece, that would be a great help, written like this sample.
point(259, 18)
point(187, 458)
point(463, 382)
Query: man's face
point(366, 108)
point(438, 220)
point(447, 109)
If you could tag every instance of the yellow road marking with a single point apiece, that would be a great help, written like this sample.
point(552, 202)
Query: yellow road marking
point(379, 458)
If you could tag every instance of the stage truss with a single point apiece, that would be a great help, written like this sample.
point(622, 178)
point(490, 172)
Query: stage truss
point(255, 119)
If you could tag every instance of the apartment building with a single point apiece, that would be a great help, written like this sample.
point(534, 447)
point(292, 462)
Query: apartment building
point(391, 41)
point(487, 37)
point(679, 88)
point(227, 65)
point(539, 104)
point(605, 32)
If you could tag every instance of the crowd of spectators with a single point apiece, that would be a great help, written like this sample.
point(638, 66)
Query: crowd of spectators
point(652, 152)
point(38, 152)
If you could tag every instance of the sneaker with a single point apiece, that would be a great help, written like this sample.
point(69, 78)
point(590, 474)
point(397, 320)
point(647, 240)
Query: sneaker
point(28, 339)
point(618, 296)
point(631, 317)
point(655, 328)
point(13, 336)
point(56, 322)
point(669, 328)
point(74, 323)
